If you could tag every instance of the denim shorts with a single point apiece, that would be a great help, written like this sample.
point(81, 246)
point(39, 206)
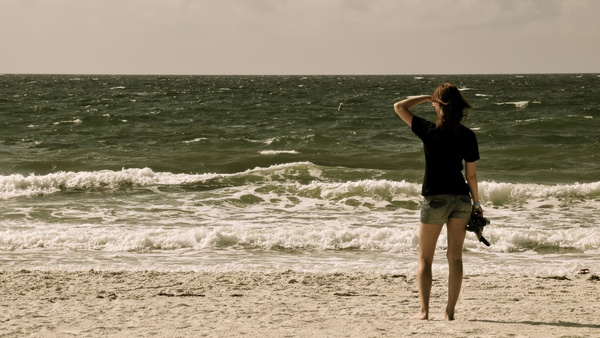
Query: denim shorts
point(438, 209)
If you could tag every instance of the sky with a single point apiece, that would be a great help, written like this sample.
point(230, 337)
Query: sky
point(308, 37)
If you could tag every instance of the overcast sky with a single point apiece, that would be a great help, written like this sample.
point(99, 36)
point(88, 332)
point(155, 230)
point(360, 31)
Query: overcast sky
point(299, 36)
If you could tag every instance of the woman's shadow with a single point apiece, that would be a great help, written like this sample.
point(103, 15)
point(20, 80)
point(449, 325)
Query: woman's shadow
point(528, 322)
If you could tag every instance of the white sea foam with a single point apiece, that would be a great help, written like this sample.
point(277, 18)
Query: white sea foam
point(289, 213)
point(518, 104)
point(274, 238)
point(500, 193)
point(265, 141)
point(277, 152)
point(74, 121)
point(18, 185)
point(377, 232)
point(196, 140)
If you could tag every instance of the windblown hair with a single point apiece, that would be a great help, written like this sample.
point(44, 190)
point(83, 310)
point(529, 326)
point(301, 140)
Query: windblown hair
point(453, 104)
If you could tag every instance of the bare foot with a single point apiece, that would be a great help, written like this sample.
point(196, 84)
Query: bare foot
point(422, 315)
point(449, 315)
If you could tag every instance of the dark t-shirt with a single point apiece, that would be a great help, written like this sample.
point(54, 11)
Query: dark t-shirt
point(444, 155)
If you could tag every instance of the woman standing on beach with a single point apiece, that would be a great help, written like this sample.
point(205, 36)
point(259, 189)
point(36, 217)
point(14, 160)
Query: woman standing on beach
point(447, 197)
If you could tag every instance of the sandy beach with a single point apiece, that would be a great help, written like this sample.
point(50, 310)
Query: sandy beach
point(289, 304)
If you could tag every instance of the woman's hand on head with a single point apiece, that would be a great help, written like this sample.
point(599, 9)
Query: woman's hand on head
point(403, 107)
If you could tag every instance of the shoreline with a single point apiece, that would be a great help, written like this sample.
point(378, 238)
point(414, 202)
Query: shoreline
point(292, 304)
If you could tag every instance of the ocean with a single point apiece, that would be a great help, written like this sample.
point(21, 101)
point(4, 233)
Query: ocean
point(272, 173)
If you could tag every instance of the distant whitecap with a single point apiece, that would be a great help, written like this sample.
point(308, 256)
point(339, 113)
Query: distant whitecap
point(518, 104)
point(276, 152)
point(196, 140)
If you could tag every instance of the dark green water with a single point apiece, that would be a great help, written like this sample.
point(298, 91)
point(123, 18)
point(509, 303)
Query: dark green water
point(266, 171)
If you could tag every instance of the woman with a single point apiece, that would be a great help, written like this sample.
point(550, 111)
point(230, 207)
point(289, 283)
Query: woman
point(447, 197)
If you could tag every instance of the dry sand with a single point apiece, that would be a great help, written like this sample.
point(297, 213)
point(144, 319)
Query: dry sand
point(289, 304)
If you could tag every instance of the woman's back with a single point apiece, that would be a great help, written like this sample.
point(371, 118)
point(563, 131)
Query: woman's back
point(445, 152)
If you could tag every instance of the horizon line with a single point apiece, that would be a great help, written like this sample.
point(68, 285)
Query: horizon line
point(302, 74)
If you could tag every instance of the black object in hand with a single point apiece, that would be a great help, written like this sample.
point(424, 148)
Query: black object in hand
point(476, 224)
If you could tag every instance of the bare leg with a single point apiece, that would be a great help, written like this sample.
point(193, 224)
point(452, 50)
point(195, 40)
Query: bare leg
point(428, 236)
point(456, 238)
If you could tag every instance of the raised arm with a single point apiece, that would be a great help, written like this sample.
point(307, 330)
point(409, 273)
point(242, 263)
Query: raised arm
point(402, 108)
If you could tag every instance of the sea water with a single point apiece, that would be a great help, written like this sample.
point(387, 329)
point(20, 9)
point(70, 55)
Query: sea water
point(309, 173)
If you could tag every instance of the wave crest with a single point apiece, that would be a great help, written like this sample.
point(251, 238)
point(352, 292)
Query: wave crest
point(504, 193)
point(299, 179)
